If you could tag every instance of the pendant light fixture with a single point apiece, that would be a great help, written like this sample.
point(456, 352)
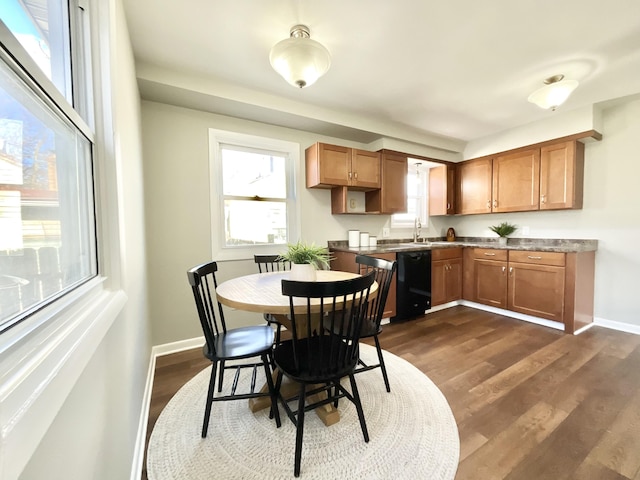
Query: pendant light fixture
point(300, 60)
point(554, 93)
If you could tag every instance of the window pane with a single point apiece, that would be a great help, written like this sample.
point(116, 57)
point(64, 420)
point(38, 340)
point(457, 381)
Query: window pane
point(248, 174)
point(42, 28)
point(47, 244)
point(249, 222)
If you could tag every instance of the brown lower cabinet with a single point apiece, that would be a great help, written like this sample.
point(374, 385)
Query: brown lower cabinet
point(551, 285)
point(346, 262)
point(446, 275)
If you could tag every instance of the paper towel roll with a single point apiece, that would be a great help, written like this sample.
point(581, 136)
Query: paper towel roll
point(364, 239)
point(354, 238)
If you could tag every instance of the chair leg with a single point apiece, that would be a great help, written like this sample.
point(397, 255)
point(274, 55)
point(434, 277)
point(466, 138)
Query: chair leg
point(382, 366)
point(221, 376)
point(299, 429)
point(358, 404)
point(207, 410)
point(272, 391)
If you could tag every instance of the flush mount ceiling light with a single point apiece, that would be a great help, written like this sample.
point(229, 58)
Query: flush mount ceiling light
point(300, 60)
point(554, 93)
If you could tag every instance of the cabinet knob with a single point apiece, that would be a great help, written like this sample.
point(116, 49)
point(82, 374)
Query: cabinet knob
point(349, 175)
point(356, 175)
point(495, 203)
point(488, 203)
point(543, 198)
point(511, 270)
point(448, 206)
point(504, 269)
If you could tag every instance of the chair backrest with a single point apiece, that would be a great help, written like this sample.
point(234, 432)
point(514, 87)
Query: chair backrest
point(384, 271)
point(202, 279)
point(324, 350)
point(271, 263)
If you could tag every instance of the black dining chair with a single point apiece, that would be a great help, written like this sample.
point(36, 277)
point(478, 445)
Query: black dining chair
point(222, 344)
point(317, 358)
point(384, 271)
point(272, 263)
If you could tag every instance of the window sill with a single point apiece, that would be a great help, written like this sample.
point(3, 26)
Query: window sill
point(40, 363)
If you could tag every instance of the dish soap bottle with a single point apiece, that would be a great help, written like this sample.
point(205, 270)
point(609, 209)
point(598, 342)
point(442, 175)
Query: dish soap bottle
point(451, 235)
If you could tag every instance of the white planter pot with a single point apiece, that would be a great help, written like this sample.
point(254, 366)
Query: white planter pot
point(502, 240)
point(304, 272)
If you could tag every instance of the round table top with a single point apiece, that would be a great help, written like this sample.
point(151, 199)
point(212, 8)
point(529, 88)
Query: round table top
point(262, 292)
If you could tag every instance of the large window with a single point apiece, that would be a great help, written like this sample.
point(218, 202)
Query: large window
point(253, 193)
point(47, 219)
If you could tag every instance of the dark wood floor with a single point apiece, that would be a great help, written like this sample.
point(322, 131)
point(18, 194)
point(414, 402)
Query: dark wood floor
point(530, 402)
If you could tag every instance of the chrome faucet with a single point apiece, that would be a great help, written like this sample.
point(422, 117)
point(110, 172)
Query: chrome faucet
point(416, 229)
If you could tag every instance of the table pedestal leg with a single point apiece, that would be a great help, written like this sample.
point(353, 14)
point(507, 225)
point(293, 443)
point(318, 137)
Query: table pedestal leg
point(327, 413)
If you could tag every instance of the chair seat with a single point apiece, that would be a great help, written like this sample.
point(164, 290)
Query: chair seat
point(309, 369)
point(370, 328)
point(242, 343)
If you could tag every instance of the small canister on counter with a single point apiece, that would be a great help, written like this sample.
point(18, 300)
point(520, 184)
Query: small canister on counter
point(364, 239)
point(354, 238)
point(373, 241)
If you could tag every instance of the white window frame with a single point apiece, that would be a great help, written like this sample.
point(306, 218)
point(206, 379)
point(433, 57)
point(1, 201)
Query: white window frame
point(43, 356)
point(291, 152)
point(399, 220)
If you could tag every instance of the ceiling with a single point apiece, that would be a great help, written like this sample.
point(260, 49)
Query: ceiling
point(433, 72)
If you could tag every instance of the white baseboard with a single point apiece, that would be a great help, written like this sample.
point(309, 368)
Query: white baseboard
point(156, 351)
point(622, 327)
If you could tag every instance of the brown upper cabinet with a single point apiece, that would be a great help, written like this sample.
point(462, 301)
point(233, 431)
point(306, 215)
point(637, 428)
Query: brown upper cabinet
point(442, 190)
point(561, 176)
point(328, 166)
point(549, 177)
point(393, 194)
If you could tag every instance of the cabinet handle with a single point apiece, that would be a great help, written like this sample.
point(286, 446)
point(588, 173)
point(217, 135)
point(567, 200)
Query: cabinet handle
point(356, 175)
point(543, 198)
point(511, 271)
point(533, 257)
point(495, 203)
point(503, 269)
point(490, 254)
point(448, 206)
point(489, 204)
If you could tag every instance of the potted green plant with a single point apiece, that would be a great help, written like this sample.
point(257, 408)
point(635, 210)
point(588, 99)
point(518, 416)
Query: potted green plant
point(305, 259)
point(503, 230)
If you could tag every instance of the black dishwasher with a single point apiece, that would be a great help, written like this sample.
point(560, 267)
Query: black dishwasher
point(413, 283)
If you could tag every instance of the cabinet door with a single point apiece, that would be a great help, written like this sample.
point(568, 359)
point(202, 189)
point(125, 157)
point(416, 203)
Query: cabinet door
point(344, 262)
point(474, 186)
point(393, 194)
point(516, 181)
point(537, 290)
point(441, 190)
point(365, 168)
point(453, 280)
point(561, 176)
point(334, 164)
point(491, 283)
point(438, 282)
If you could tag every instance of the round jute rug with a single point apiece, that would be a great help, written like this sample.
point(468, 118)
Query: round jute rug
point(412, 431)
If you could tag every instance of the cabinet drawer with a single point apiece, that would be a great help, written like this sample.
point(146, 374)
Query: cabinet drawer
point(538, 258)
point(490, 254)
point(445, 253)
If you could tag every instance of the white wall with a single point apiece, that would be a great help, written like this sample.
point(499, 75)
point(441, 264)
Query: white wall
point(94, 433)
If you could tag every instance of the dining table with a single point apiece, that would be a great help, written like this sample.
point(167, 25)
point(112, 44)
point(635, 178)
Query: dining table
point(262, 293)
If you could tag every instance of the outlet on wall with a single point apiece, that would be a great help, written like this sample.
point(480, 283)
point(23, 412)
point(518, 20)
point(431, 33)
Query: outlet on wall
point(385, 233)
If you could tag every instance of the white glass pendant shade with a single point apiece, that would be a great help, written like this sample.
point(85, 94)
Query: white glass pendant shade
point(554, 94)
point(300, 60)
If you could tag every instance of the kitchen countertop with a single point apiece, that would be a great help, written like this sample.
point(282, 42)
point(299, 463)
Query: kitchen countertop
point(524, 244)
